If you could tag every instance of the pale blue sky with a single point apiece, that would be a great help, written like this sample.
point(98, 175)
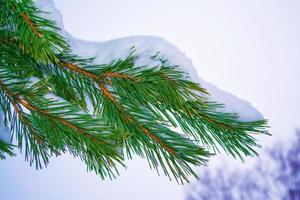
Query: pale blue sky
point(249, 48)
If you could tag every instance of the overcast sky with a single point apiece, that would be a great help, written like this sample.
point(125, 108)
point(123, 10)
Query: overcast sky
point(249, 48)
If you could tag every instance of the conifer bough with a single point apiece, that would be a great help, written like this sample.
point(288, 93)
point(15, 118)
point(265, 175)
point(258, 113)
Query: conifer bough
point(56, 102)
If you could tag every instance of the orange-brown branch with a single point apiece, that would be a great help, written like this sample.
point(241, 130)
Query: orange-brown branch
point(158, 140)
point(90, 75)
point(106, 93)
point(216, 122)
point(30, 23)
point(112, 75)
point(116, 75)
point(79, 70)
point(62, 121)
point(147, 132)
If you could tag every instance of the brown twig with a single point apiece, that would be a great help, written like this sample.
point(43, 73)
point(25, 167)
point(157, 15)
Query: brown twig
point(210, 120)
point(78, 70)
point(30, 23)
point(116, 75)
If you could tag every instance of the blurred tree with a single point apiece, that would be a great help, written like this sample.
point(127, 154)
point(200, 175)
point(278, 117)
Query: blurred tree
point(276, 176)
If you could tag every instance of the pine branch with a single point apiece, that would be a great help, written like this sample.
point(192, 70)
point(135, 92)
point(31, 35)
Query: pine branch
point(59, 115)
point(131, 123)
point(153, 112)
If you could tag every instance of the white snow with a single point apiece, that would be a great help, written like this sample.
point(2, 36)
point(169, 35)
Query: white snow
point(146, 47)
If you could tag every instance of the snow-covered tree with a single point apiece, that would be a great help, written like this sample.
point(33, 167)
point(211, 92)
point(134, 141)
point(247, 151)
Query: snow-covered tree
point(276, 177)
point(104, 102)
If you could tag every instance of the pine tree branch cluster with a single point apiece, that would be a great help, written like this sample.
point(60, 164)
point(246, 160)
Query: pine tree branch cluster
point(56, 102)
